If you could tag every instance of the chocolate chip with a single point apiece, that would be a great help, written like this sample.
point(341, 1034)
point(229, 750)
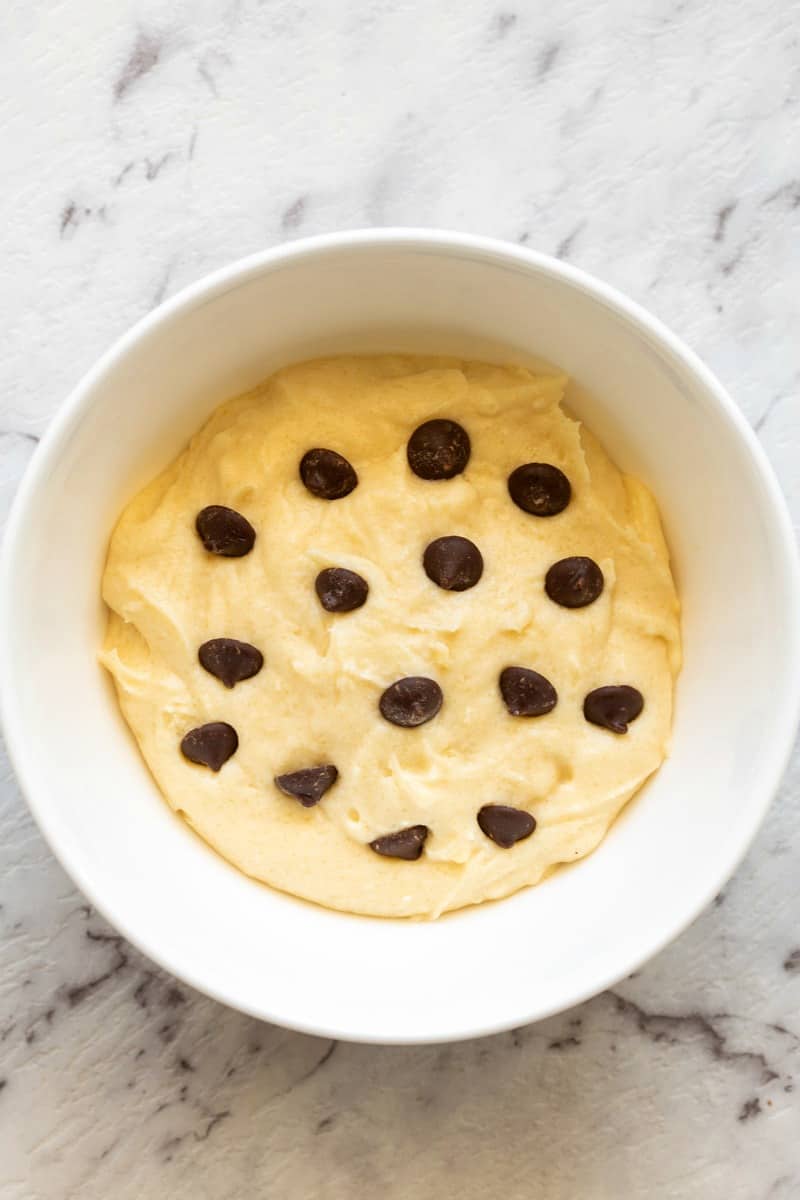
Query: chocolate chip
point(340, 590)
point(438, 449)
point(540, 489)
point(613, 706)
point(505, 825)
point(455, 563)
point(229, 660)
point(327, 475)
point(406, 843)
point(225, 531)
point(411, 701)
point(309, 785)
point(574, 582)
point(210, 745)
point(527, 693)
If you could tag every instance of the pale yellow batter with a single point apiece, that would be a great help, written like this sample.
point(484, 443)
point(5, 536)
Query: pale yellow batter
point(316, 698)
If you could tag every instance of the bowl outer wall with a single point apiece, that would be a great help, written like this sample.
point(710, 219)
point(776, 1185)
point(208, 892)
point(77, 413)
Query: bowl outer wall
point(431, 1022)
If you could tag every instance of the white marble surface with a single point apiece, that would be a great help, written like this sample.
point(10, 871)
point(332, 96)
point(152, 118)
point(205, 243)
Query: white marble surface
point(652, 142)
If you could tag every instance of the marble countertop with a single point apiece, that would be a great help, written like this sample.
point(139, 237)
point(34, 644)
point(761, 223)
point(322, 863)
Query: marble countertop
point(146, 143)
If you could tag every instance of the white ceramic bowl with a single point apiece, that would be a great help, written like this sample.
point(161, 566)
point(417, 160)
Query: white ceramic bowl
point(662, 415)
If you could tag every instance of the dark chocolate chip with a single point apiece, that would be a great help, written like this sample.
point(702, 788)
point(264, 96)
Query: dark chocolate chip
point(406, 843)
point(438, 449)
point(210, 745)
point(309, 785)
point(574, 582)
point(225, 531)
point(505, 825)
point(340, 590)
point(411, 701)
point(327, 475)
point(229, 660)
point(455, 563)
point(613, 707)
point(540, 489)
point(527, 693)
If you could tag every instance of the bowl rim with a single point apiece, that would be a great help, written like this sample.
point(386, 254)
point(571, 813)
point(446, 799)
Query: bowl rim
point(21, 744)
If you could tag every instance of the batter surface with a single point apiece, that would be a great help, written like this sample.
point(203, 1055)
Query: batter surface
point(322, 694)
